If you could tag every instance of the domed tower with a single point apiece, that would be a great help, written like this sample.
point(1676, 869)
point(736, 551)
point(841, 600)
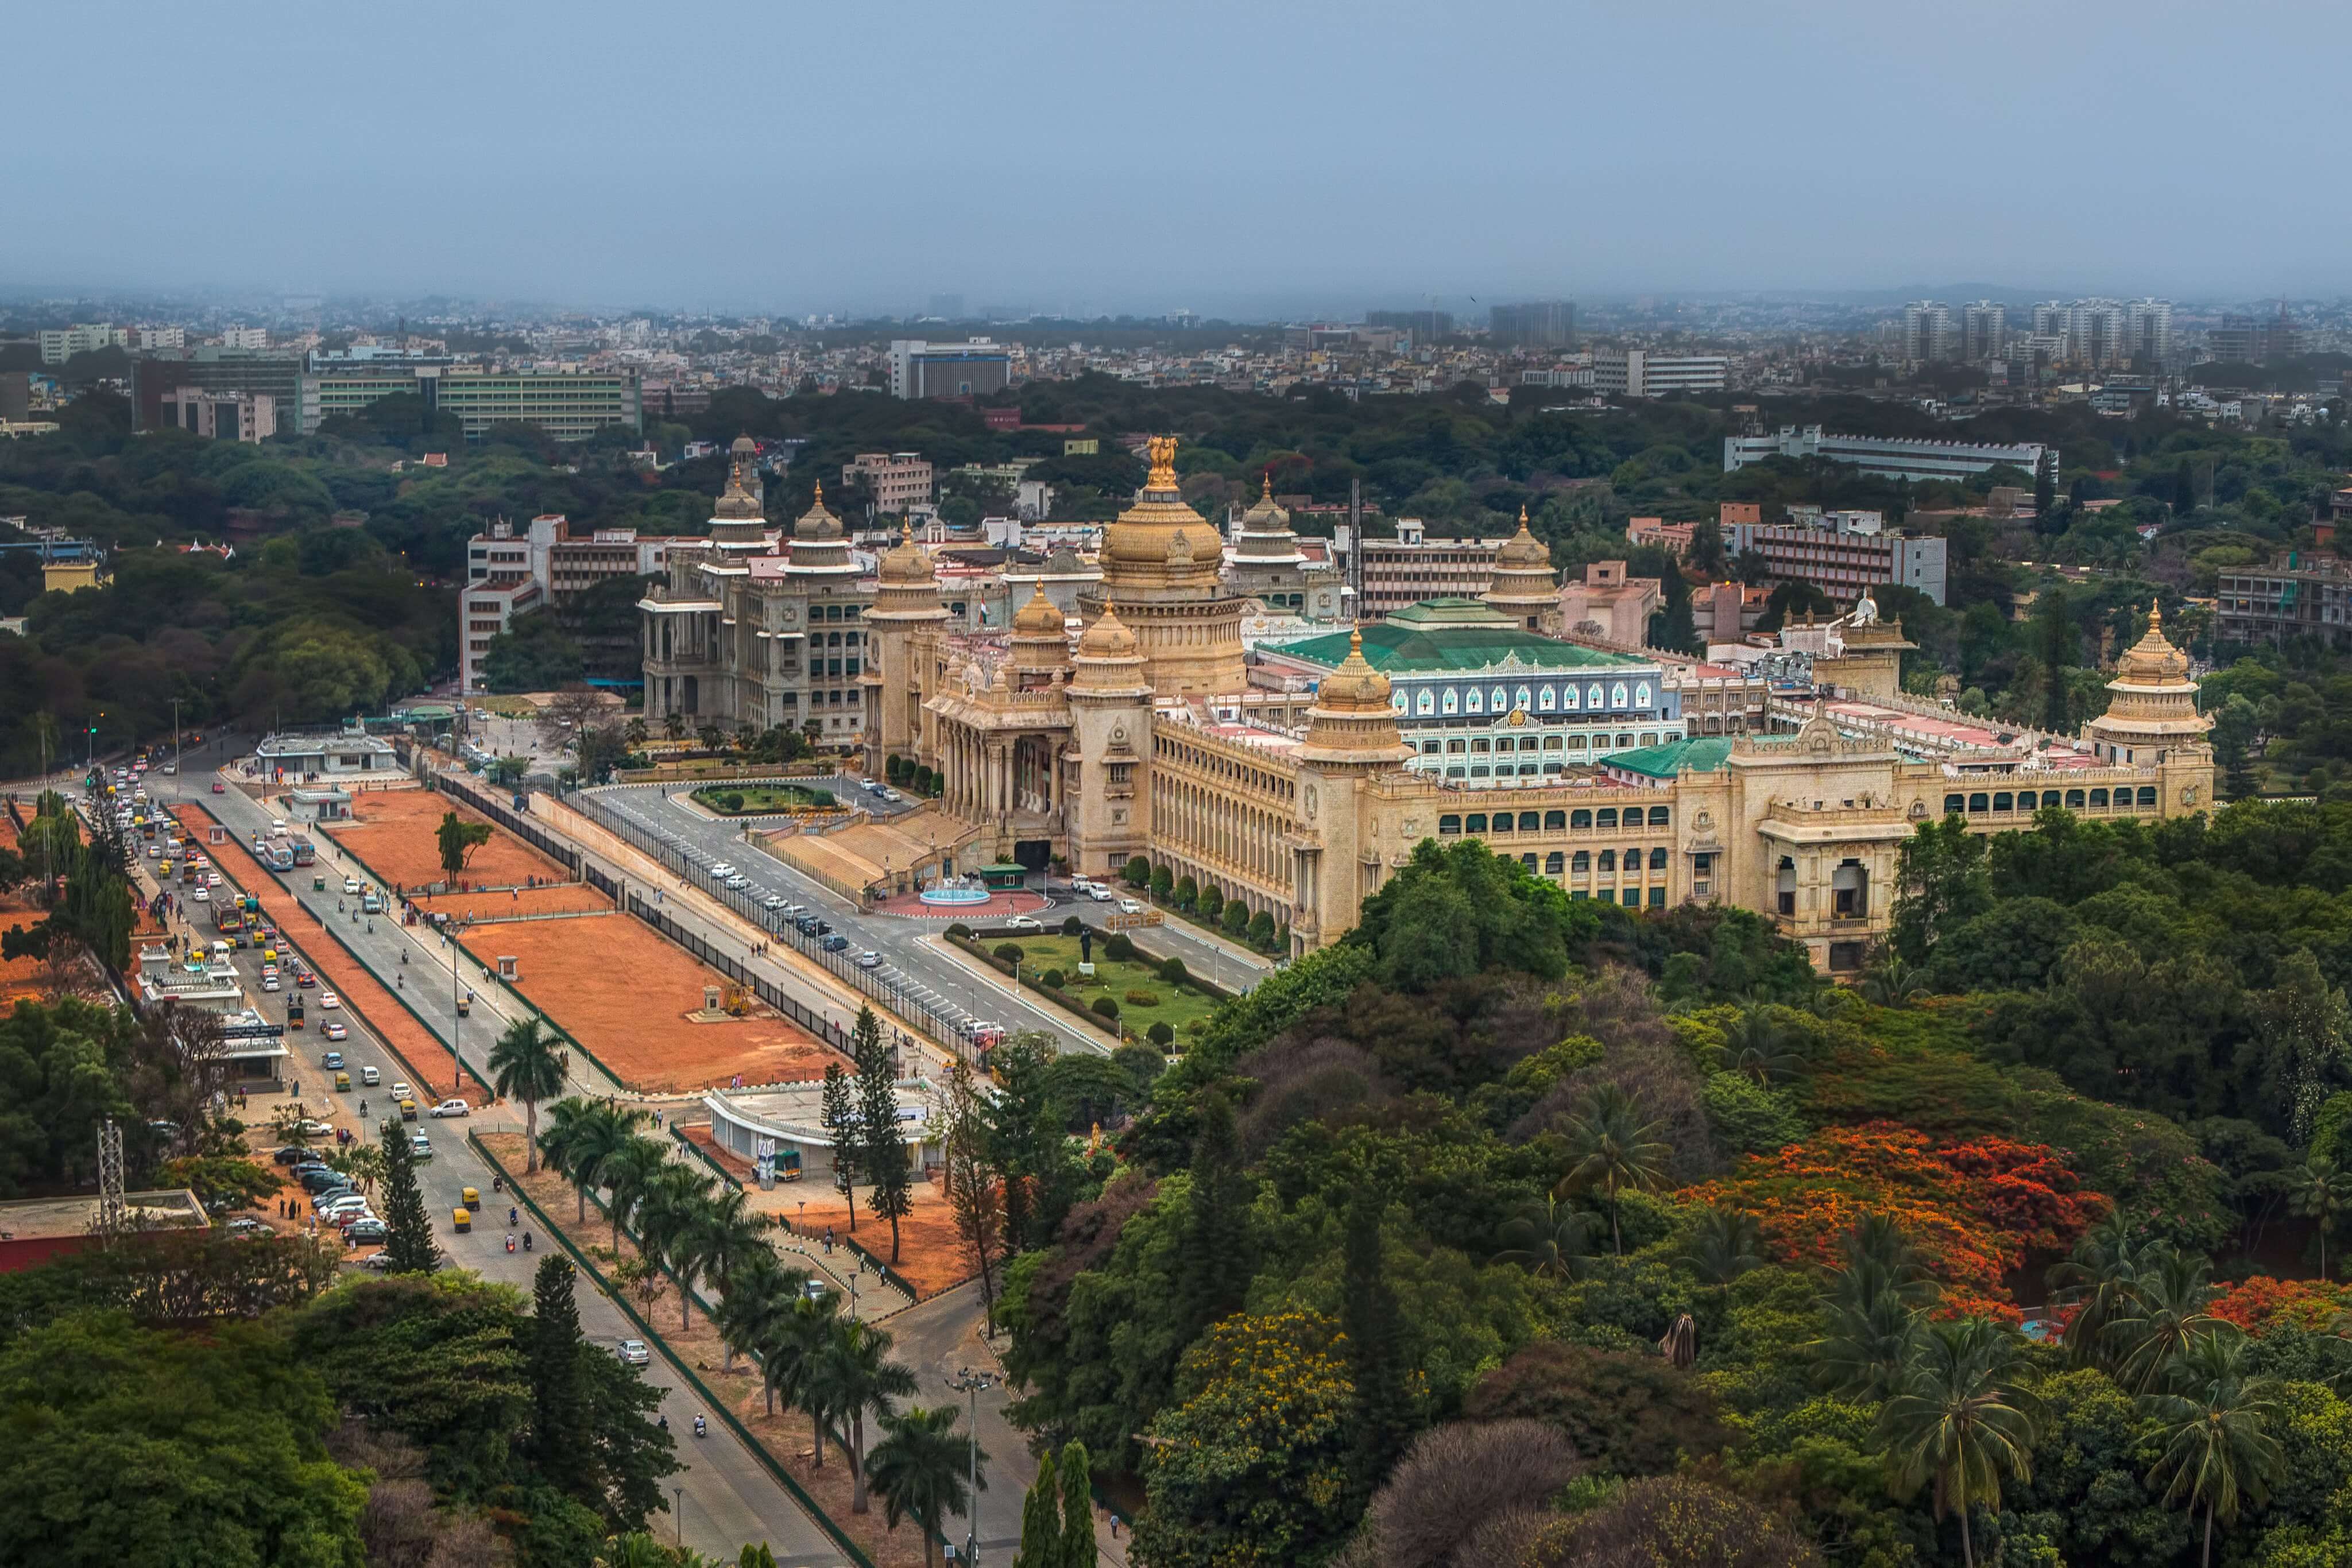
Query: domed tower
point(1161, 569)
point(906, 607)
point(1110, 716)
point(738, 524)
point(2153, 715)
point(1524, 587)
point(1041, 642)
point(820, 550)
point(1352, 734)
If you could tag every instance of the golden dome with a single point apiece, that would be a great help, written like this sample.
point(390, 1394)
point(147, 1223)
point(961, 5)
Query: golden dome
point(1039, 617)
point(2153, 660)
point(1355, 686)
point(816, 523)
point(1265, 516)
point(1107, 638)
point(908, 561)
point(1523, 549)
point(1144, 534)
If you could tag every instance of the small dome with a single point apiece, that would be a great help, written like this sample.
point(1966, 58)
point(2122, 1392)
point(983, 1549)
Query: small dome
point(1064, 562)
point(1107, 638)
point(1039, 617)
point(2153, 660)
point(1263, 516)
point(1355, 686)
point(745, 446)
point(1523, 548)
point(906, 561)
point(818, 523)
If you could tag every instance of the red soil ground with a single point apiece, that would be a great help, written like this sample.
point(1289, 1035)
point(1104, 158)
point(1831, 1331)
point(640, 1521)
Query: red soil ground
point(392, 833)
point(625, 993)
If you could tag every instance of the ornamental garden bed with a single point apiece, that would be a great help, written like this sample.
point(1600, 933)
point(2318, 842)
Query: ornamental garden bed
point(1177, 1005)
point(763, 799)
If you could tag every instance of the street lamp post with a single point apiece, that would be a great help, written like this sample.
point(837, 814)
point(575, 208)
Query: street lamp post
point(970, 1383)
point(678, 1506)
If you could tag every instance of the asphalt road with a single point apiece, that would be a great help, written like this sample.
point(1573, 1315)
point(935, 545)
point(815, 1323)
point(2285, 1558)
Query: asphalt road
point(727, 1499)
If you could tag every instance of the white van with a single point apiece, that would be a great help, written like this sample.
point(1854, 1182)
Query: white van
point(277, 824)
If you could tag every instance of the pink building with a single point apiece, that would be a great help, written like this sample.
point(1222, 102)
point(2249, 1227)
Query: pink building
point(1610, 605)
point(1675, 536)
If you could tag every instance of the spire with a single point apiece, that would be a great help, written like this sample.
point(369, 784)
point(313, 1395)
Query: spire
point(1266, 485)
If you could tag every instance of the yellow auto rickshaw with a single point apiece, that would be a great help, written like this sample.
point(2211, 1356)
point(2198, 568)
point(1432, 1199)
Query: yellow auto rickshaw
point(470, 1196)
point(461, 1219)
point(343, 1083)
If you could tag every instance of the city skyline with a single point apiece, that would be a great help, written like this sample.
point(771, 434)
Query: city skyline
point(1100, 161)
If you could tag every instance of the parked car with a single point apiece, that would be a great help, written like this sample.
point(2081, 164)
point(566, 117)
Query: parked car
point(1024, 922)
point(291, 1154)
point(380, 1261)
point(335, 1031)
point(633, 1352)
point(311, 1127)
point(869, 960)
point(1128, 907)
point(774, 901)
point(246, 1228)
point(836, 943)
point(369, 1232)
point(1101, 895)
point(816, 1290)
point(453, 1108)
point(738, 881)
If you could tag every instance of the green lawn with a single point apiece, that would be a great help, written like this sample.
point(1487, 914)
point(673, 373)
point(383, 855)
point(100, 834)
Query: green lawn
point(761, 798)
point(1177, 1005)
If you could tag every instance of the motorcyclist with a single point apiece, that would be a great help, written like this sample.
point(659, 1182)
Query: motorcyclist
point(526, 1240)
point(362, 1107)
point(510, 1241)
point(514, 1215)
point(699, 1427)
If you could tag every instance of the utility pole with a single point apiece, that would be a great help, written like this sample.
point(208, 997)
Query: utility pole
point(970, 1383)
point(175, 732)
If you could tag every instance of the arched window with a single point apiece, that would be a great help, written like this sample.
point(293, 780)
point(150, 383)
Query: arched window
point(1476, 824)
point(1979, 803)
point(1453, 701)
point(1447, 826)
point(1528, 860)
point(1530, 821)
point(2147, 796)
point(1397, 702)
point(1554, 863)
point(2098, 800)
point(1554, 766)
point(1661, 816)
point(1642, 695)
point(1593, 695)
point(1473, 701)
point(1955, 804)
point(1609, 862)
point(1502, 823)
point(1423, 701)
point(1547, 699)
point(1499, 701)
point(1579, 819)
point(1583, 863)
point(1632, 859)
point(1617, 695)
point(1454, 773)
point(1607, 818)
point(1555, 821)
point(1658, 859)
point(2025, 800)
point(1525, 699)
point(2003, 800)
point(2074, 800)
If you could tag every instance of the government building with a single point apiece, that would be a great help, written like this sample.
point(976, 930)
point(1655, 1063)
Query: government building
point(1297, 773)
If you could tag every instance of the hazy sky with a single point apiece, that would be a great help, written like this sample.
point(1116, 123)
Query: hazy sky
point(1228, 157)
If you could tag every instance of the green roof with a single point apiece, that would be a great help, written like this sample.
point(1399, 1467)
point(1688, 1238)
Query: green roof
point(1448, 634)
point(1702, 754)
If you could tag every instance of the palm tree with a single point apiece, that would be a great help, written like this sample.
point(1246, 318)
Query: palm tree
point(1552, 1239)
point(1891, 982)
point(1963, 1419)
point(2323, 1193)
point(638, 1549)
point(635, 732)
point(721, 1233)
point(674, 727)
point(1871, 1311)
point(759, 1292)
point(1614, 1148)
point(631, 1174)
point(666, 1216)
point(853, 1376)
point(1756, 1046)
point(2217, 1450)
point(918, 1466)
point(526, 1065)
point(1725, 1244)
point(2099, 1278)
point(584, 1136)
point(2165, 1310)
point(790, 1358)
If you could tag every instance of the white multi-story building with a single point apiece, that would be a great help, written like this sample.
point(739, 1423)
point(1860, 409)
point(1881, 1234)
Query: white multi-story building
point(1984, 331)
point(162, 336)
point(1890, 457)
point(901, 480)
point(1927, 332)
point(1636, 372)
point(59, 344)
point(245, 338)
point(2148, 331)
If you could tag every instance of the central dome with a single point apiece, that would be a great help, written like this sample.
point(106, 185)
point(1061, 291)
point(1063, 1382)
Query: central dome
point(1146, 534)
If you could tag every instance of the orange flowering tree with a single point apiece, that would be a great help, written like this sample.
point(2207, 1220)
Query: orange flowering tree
point(1251, 1467)
point(2261, 1303)
point(1972, 1209)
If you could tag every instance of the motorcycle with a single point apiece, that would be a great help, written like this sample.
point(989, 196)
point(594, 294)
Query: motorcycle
point(699, 1429)
point(510, 1241)
point(526, 1240)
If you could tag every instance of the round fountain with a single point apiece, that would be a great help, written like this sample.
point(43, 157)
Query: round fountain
point(949, 892)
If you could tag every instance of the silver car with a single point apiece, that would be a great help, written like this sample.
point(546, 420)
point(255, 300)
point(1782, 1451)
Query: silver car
point(633, 1352)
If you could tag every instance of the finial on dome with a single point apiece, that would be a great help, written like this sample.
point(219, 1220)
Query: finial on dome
point(1523, 516)
point(1162, 477)
point(1356, 642)
point(819, 492)
point(1265, 484)
point(2155, 619)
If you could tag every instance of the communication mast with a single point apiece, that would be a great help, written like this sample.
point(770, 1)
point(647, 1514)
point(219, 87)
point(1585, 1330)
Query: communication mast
point(113, 1215)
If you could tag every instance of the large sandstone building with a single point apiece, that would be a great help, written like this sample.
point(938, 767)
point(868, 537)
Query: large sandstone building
point(1297, 776)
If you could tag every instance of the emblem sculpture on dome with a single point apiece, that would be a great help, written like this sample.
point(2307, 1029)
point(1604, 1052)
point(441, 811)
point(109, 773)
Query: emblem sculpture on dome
point(1163, 450)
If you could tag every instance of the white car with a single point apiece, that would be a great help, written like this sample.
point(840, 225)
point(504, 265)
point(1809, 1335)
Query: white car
point(1128, 907)
point(212, 879)
point(154, 851)
point(270, 983)
point(1024, 922)
point(368, 1075)
point(738, 881)
point(774, 901)
point(633, 1352)
point(333, 1030)
point(869, 960)
point(453, 1108)
point(421, 1147)
point(351, 885)
point(1101, 895)
point(329, 1000)
point(722, 871)
point(202, 895)
point(401, 1091)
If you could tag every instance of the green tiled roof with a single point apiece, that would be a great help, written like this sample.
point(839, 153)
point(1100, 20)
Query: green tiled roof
point(1445, 634)
point(1702, 754)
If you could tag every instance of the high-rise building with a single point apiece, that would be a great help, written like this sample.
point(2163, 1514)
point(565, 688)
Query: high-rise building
point(1426, 326)
point(2147, 332)
point(899, 479)
point(1635, 373)
point(975, 368)
point(221, 415)
point(1927, 332)
point(2254, 339)
point(1538, 324)
point(59, 344)
point(1984, 331)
